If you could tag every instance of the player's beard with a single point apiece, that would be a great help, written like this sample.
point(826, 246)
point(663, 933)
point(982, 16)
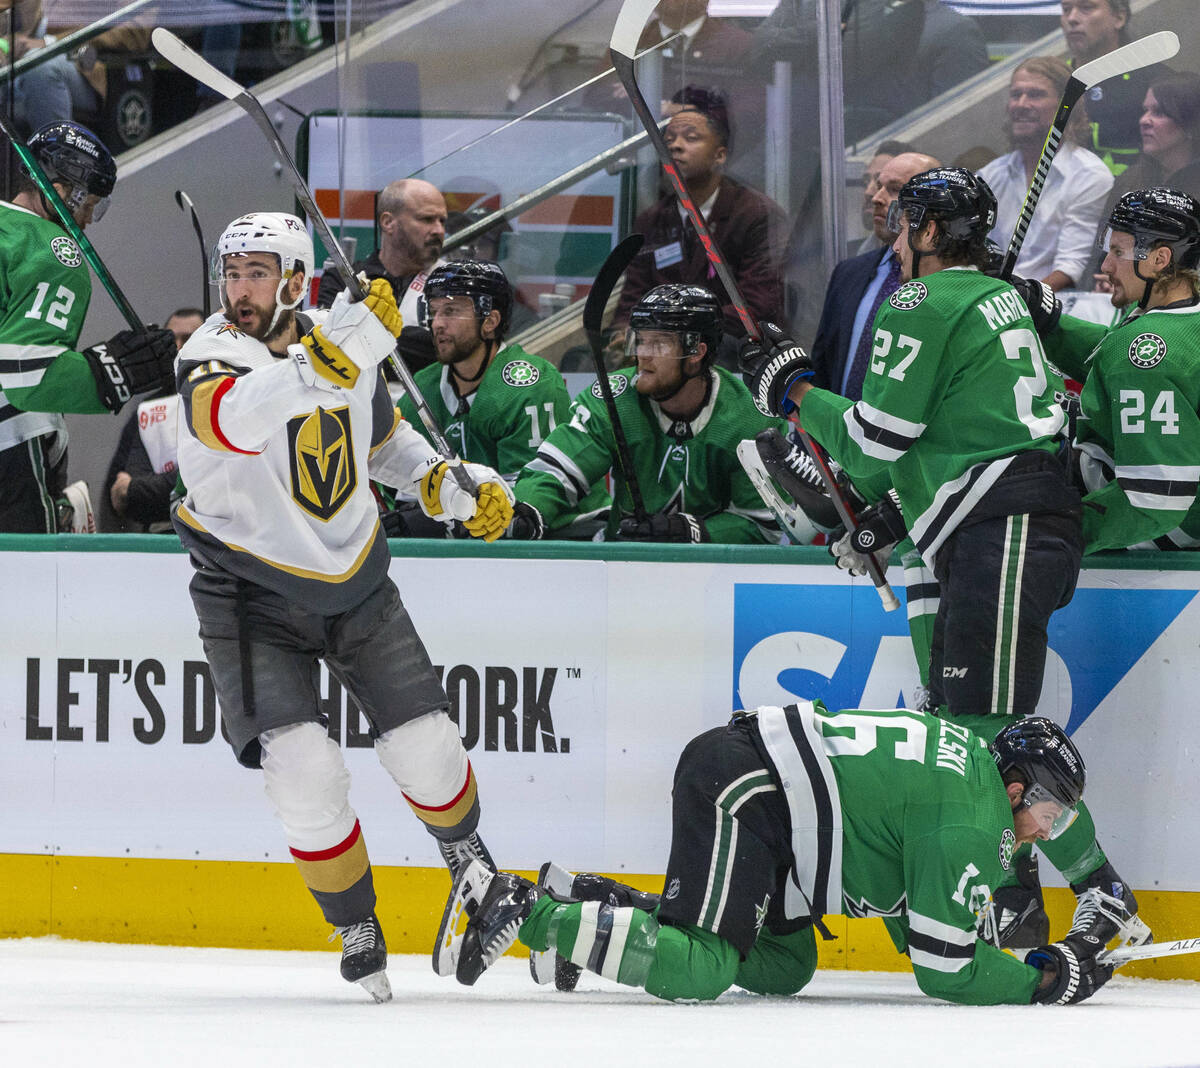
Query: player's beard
point(453, 351)
point(660, 390)
point(260, 329)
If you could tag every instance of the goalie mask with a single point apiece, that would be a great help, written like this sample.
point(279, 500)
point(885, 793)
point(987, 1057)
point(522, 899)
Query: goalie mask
point(1048, 764)
point(283, 236)
point(690, 312)
point(76, 157)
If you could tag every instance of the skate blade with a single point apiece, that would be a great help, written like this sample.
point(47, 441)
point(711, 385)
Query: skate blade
point(377, 986)
point(1135, 932)
point(541, 966)
point(464, 898)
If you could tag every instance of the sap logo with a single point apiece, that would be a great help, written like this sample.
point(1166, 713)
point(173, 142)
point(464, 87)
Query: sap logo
point(836, 644)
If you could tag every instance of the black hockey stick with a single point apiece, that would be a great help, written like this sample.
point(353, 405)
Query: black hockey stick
point(593, 322)
point(185, 204)
point(622, 49)
point(174, 50)
point(1156, 48)
point(72, 227)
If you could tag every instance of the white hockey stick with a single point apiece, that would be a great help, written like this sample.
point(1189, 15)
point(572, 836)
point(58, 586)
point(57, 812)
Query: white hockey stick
point(1156, 48)
point(175, 51)
point(622, 48)
point(1122, 955)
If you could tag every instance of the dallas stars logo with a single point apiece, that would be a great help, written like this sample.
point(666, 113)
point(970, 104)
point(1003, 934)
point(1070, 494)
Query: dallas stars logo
point(520, 373)
point(760, 913)
point(66, 252)
point(909, 295)
point(1147, 350)
point(1008, 842)
point(616, 383)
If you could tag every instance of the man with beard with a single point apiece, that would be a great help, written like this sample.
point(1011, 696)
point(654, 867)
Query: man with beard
point(412, 228)
point(288, 418)
point(495, 402)
point(683, 419)
point(1059, 244)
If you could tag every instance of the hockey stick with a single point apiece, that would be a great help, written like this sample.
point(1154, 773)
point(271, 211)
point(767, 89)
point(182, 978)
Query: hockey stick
point(1123, 955)
point(72, 227)
point(1156, 48)
point(593, 321)
point(185, 204)
point(622, 48)
point(175, 51)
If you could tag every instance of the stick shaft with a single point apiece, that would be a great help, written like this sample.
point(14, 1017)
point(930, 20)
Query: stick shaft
point(1126, 954)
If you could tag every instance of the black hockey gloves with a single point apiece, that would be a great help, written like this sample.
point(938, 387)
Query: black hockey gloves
point(1044, 307)
point(770, 366)
point(527, 523)
point(676, 526)
point(132, 362)
point(1074, 975)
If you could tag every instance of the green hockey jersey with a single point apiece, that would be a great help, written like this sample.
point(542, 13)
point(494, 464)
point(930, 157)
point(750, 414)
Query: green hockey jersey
point(680, 466)
point(901, 815)
point(957, 386)
point(1139, 433)
point(45, 289)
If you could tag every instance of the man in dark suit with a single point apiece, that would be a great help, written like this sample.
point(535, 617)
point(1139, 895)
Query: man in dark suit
point(857, 288)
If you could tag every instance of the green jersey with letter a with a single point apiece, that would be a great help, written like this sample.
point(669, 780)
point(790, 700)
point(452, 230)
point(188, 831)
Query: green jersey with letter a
point(680, 466)
point(958, 384)
point(45, 289)
point(1139, 434)
point(927, 835)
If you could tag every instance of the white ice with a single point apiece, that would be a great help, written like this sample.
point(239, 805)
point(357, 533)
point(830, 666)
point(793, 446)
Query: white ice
point(94, 1005)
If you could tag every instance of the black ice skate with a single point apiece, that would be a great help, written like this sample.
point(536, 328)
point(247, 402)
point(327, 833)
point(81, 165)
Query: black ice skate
point(459, 852)
point(364, 957)
point(1105, 908)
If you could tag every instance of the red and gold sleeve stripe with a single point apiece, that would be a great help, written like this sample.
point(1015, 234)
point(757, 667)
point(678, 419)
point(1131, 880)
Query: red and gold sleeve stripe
point(333, 870)
point(204, 408)
point(451, 813)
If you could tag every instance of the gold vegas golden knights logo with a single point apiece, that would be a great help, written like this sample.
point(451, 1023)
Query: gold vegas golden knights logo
point(322, 461)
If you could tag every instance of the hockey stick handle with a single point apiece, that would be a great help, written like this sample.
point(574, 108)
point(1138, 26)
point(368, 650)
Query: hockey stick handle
point(593, 320)
point(1123, 955)
point(174, 50)
point(46, 187)
point(185, 204)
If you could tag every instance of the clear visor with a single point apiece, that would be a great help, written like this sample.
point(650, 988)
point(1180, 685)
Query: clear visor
point(894, 215)
point(659, 344)
point(78, 197)
point(456, 306)
point(231, 266)
point(1139, 251)
point(1050, 814)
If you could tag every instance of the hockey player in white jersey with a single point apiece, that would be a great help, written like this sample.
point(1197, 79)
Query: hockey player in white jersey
point(287, 420)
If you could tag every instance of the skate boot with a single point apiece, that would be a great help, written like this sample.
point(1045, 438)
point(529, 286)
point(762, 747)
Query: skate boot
point(1104, 909)
point(1021, 920)
point(364, 957)
point(459, 852)
point(790, 465)
point(545, 965)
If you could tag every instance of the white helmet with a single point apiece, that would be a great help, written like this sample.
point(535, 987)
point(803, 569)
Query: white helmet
point(283, 235)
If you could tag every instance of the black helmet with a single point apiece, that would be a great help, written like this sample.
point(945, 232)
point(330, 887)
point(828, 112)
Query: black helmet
point(690, 311)
point(485, 283)
point(1040, 750)
point(72, 153)
point(962, 204)
point(1159, 217)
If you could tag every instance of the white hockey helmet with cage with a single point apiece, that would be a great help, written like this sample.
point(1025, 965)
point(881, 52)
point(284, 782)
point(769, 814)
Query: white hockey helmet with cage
point(283, 235)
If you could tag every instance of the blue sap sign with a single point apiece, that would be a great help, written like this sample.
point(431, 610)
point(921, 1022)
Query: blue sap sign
point(836, 644)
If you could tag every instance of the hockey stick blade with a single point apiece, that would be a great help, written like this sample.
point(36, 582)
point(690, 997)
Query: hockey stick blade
point(612, 269)
point(185, 204)
point(1123, 955)
point(171, 48)
point(791, 518)
point(1153, 48)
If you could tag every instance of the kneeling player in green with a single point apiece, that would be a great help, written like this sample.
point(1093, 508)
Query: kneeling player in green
point(495, 402)
point(788, 814)
point(683, 419)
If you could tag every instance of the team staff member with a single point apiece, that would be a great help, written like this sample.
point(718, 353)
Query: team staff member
point(44, 293)
point(288, 418)
point(495, 402)
point(683, 419)
point(893, 814)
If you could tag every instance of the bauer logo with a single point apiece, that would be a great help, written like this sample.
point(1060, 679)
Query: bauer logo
point(834, 643)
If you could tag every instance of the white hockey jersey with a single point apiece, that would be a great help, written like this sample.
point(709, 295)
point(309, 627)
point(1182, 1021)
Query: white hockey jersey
point(278, 472)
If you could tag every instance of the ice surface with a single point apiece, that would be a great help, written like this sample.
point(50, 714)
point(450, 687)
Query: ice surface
point(95, 1005)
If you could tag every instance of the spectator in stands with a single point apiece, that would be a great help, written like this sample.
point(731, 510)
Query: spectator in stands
point(859, 286)
point(749, 227)
point(1094, 28)
point(71, 85)
point(412, 228)
point(143, 470)
point(1059, 246)
point(870, 179)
